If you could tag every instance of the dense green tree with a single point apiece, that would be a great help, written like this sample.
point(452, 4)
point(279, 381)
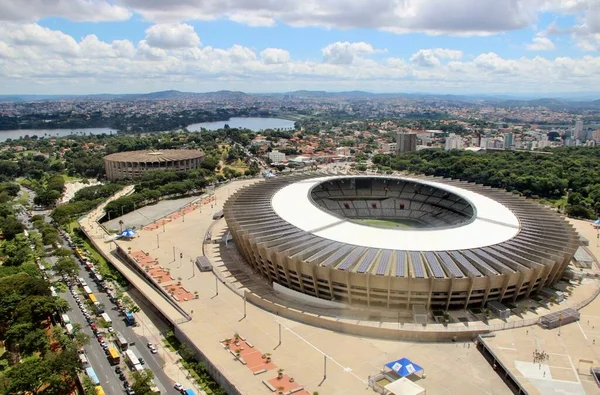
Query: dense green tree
point(142, 381)
point(66, 266)
point(11, 227)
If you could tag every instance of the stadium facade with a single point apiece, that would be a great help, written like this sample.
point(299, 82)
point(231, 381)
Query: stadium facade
point(396, 242)
point(133, 164)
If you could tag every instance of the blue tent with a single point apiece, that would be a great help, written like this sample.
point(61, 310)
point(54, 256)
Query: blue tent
point(597, 222)
point(128, 233)
point(404, 367)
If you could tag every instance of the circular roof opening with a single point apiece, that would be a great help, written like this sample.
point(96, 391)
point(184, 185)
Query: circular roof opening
point(392, 203)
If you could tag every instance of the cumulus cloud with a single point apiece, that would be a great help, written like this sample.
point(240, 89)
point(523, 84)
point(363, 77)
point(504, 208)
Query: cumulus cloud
point(76, 10)
point(171, 36)
point(34, 58)
point(275, 56)
point(465, 17)
point(346, 52)
point(432, 57)
point(541, 43)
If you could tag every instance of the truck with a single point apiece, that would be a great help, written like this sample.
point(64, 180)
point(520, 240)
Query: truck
point(130, 318)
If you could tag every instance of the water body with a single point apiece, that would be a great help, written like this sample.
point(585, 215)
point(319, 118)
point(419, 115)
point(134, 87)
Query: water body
point(254, 124)
point(48, 133)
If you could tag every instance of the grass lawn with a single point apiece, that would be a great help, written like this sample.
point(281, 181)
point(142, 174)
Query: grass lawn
point(388, 223)
point(104, 267)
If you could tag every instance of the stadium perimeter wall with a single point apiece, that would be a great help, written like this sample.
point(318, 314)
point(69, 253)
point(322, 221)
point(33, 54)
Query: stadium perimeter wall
point(361, 330)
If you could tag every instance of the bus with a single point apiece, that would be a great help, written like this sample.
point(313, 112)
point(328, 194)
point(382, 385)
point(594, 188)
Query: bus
point(92, 375)
point(100, 390)
point(132, 360)
point(113, 356)
point(87, 290)
point(121, 342)
point(65, 319)
point(106, 318)
point(93, 298)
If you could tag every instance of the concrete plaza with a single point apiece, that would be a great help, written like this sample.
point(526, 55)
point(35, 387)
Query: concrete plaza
point(572, 349)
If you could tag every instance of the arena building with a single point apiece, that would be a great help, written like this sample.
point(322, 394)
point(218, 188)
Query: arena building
point(133, 164)
point(396, 242)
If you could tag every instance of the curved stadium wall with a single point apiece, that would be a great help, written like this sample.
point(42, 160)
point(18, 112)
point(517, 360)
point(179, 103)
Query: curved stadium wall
point(133, 164)
point(455, 244)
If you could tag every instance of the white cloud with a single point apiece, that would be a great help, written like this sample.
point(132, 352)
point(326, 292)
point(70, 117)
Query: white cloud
point(172, 36)
point(431, 57)
point(463, 17)
point(37, 59)
point(541, 43)
point(275, 56)
point(346, 52)
point(77, 10)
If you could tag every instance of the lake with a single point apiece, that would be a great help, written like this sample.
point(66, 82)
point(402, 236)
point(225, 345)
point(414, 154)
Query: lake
point(254, 124)
point(16, 134)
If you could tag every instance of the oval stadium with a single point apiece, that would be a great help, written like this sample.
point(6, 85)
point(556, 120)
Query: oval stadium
point(398, 242)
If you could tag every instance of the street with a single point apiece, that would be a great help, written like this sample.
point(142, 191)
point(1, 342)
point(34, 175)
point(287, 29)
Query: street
point(98, 360)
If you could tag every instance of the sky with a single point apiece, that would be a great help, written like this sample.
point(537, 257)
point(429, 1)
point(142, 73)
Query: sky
point(436, 46)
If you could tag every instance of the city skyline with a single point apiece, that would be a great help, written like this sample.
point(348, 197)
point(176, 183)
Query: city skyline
point(541, 47)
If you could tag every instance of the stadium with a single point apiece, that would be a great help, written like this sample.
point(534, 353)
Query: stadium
point(398, 242)
point(133, 164)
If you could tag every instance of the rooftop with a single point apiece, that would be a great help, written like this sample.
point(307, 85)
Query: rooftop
point(155, 155)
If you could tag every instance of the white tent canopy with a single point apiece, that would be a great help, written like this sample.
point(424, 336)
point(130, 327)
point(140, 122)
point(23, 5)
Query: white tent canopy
point(404, 386)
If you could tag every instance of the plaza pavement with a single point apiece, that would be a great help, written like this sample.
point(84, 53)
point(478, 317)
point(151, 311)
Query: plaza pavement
point(451, 368)
point(572, 348)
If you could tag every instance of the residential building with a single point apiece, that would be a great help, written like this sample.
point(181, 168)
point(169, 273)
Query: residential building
point(454, 142)
point(276, 156)
point(578, 131)
point(508, 141)
point(406, 142)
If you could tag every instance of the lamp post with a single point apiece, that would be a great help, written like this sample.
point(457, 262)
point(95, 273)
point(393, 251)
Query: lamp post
point(216, 286)
point(157, 242)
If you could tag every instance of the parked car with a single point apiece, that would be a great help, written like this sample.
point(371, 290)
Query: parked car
point(178, 387)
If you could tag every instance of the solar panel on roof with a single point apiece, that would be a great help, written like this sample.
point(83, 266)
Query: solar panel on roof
point(367, 260)
point(324, 252)
point(337, 255)
point(450, 265)
point(434, 265)
point(466, 264)
point(479, 261)
point(384, 262)
point(350, 259)
point(491, 259)
point(400, 264)
point(417, 264)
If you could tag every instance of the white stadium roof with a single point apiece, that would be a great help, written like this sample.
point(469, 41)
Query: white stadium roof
point(494, 223)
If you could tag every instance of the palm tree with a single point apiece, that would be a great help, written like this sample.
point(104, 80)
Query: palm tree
point(121, 224)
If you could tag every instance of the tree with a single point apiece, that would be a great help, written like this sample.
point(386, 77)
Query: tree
point(88, 385)
point(142, 381)
point(29, 375)
point(11, 227)
point(66, 266)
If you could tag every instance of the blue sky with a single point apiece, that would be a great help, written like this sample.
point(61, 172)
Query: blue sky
point(446, 46)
